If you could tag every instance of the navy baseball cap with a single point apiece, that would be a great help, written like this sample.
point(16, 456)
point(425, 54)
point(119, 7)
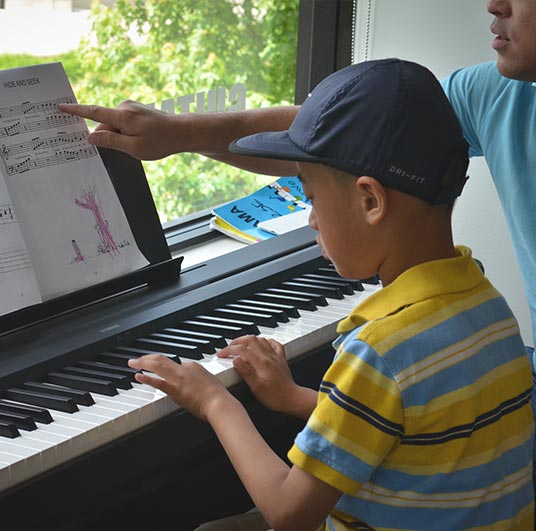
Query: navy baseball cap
point(388, 119)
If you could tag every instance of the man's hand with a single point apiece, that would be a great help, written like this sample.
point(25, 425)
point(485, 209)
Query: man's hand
point(132, 127)
point(189, 384)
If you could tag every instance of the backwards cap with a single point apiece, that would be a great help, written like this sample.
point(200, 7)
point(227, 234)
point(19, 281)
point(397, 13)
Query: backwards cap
point(388, 119)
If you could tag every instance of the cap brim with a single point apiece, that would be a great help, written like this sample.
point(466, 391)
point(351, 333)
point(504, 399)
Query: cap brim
point(271, 145)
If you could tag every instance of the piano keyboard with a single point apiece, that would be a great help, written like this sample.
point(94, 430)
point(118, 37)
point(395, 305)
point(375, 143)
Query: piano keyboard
point(89, 403)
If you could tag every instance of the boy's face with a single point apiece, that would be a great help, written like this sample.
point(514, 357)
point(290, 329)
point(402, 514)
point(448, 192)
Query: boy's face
point(337, 216)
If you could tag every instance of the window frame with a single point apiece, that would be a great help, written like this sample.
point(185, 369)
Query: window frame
point(324, 45)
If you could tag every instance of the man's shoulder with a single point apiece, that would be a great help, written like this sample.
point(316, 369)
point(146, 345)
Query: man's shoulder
point(481, 76)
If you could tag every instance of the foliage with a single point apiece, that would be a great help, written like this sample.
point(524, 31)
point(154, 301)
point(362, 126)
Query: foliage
point(156, 50)
point(152, 50)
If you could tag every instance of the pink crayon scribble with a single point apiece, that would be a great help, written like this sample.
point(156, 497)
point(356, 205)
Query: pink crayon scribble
point(107, 243)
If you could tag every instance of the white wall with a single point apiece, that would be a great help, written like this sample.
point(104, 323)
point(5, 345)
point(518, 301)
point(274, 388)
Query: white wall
point(444, 35)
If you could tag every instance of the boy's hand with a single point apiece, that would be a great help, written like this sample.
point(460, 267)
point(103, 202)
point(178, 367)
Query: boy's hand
point(262, 364)
point(190, 385)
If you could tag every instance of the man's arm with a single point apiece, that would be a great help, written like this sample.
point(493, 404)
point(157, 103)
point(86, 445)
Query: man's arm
point(149, 134)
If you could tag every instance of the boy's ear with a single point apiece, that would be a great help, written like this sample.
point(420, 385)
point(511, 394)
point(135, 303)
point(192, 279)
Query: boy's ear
point(373, 197)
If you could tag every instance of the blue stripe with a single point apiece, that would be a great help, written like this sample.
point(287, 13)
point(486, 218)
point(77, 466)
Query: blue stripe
point(466, 430)
point(360, 410)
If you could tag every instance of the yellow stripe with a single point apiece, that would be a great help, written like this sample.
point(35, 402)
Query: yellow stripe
point(415, 323)
point(451, 461)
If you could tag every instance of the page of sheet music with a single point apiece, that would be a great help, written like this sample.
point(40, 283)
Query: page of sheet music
point(74, 226)
point(18, 286)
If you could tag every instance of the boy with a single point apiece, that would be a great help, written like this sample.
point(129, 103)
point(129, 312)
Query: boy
point(423, 420)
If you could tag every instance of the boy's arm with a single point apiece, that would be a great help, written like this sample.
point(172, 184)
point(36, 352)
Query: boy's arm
point(262, 364)
point(289, 498)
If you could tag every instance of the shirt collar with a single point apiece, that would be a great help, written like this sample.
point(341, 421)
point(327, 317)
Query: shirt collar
point(421, 282)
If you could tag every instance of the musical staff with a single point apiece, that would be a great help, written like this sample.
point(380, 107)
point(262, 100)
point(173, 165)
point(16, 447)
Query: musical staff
point(59, 157)
point(41, 124)
point(7, 214)
point(14, 260)
point(50, 106)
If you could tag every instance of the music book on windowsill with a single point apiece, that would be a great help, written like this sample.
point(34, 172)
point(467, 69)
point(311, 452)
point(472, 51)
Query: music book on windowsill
point(62, 225)
point(274, 209)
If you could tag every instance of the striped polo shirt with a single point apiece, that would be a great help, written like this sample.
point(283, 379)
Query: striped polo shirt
point(423, 419)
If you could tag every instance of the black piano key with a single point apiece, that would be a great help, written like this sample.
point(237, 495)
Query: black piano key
point(60, 403)
point(204, 345)
point(82, 398)
point(9, 430)
point(279, 315)
point(375, 280)
point(217, 340)
point(287, 309)
point(331, 272)
point(129, 372)
point(169, 347)
point(23, 422)
point(93, 385)
point(319, 300)
point(119, 380)
point(300, 303)
point(246, 327)
point(310, 287)
point(344, 285)
point(117, 358)
point(135, 352)
point(38, 414)
point(227, 331)
point(260, 319)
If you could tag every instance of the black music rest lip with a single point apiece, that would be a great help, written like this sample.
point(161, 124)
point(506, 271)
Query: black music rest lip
point(81, 397)
point(37, 413)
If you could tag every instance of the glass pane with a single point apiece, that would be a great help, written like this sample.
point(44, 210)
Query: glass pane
point(178, 55)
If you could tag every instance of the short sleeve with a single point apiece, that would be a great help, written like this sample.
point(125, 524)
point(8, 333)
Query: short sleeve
point(357, 421)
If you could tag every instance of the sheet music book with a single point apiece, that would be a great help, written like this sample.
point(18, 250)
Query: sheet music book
point(243, 219)
point(62, 226)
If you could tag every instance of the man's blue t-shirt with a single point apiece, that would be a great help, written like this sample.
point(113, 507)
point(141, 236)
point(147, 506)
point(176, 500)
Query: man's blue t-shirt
point(498, 117)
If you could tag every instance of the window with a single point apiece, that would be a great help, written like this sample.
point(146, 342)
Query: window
point(180, 56)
